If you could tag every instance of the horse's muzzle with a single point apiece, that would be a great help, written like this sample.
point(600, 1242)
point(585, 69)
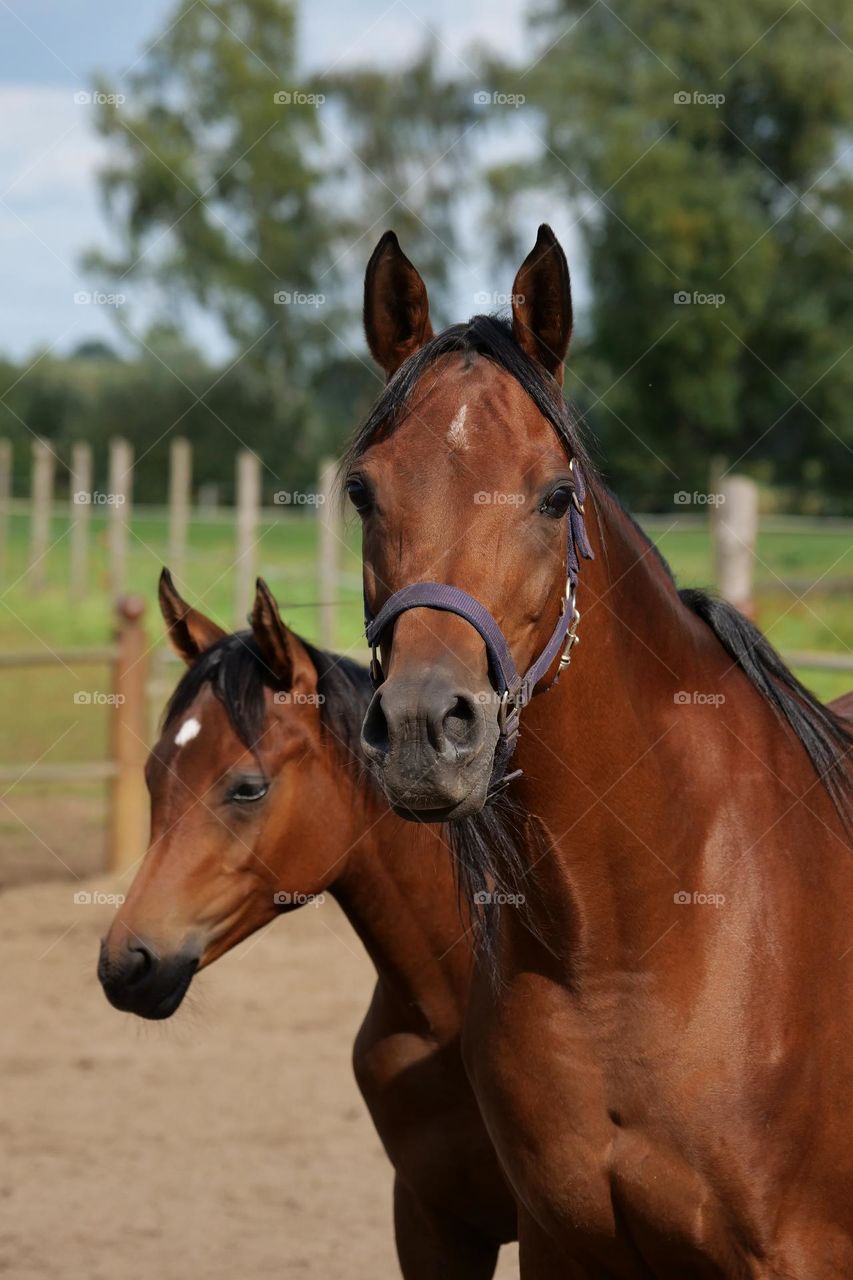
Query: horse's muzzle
point(432, 747)
point(137, 980)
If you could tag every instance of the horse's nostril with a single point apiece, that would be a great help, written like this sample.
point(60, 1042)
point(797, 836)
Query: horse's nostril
point(374, 731)
point(141, 965)
point(461, 727)
point(457, 721)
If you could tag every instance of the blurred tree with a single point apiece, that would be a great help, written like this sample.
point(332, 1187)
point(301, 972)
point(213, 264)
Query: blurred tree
point(411, 134)
point(706, 151)
point(213, 188)
point(239, 186)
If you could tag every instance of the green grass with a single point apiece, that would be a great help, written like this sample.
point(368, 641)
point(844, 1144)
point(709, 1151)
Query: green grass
point(41, 720)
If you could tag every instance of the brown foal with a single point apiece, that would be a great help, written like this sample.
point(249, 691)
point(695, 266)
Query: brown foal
point(663, 1062)
point(259, 803)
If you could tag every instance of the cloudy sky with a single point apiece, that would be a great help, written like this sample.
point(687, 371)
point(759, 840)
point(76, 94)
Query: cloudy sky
point(49, 154)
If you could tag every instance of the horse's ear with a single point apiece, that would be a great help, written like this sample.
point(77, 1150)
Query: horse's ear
point(542, 304)
point(272, 636)
point(190, 632)
point(396, 306)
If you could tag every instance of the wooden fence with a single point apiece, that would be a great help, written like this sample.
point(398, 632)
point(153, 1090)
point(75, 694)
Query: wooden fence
point(117, 501)
point(127, 658)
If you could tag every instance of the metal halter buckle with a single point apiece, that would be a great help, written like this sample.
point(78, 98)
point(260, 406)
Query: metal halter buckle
point(572, 638)
point(505, 709)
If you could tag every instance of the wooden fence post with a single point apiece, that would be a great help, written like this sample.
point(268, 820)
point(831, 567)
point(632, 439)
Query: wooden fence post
point(128, 828)
point(248, 503)
point(327, 548)
point(735, 529)
point(5, 502)
point(180, 482)
point(42, 503)
point(119, 494)
point(81, 509)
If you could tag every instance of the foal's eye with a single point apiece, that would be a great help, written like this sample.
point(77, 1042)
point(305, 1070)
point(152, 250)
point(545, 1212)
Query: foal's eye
point(358, 494)
point(557, 503)
point(248, 790)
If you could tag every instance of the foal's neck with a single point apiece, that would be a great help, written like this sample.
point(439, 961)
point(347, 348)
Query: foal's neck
point(399, 893)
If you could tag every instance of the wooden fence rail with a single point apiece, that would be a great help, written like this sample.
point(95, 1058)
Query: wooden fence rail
point(124, 769)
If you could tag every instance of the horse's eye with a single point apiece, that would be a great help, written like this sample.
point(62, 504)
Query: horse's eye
point(358, 494)
point(248, 790)
point(557, 503)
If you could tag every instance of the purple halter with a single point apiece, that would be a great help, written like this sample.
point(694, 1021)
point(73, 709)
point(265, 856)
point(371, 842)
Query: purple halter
point(515, 690)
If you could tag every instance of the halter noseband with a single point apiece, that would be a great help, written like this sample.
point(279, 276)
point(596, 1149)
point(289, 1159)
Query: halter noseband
point(514, 689)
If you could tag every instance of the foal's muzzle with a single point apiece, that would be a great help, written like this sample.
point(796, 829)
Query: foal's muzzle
point(137, 980)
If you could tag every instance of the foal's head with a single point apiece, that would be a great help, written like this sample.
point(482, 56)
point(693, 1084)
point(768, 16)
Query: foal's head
point(249, 802)
point(461, 476)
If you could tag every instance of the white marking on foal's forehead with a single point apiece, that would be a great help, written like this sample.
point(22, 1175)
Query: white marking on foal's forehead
point(457, 435)
point(189, 729)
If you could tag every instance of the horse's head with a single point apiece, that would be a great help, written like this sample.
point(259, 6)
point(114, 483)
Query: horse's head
point(462, 477)
point(244, 809)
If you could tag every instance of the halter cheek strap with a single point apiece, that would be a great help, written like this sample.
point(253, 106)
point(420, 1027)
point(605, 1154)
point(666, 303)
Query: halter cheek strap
point(514, 689)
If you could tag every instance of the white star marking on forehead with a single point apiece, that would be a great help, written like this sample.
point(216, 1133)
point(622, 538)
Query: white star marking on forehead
point(189, 729)
point(457, 436)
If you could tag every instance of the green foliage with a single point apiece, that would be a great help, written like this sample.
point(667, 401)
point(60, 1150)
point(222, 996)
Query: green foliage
point(239, 187)
point(747, 198)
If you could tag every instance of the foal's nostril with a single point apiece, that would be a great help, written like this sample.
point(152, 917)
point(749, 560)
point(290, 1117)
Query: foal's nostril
point(374, 731)
point(140, 966)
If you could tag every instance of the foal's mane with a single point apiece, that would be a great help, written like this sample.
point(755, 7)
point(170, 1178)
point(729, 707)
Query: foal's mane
point(490, 847)
point(238, 676)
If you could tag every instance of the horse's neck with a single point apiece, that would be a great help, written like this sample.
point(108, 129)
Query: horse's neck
point(398, 892)
point(624, 779)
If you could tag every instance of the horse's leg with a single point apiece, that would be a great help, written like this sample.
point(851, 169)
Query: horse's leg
point(434, 1246)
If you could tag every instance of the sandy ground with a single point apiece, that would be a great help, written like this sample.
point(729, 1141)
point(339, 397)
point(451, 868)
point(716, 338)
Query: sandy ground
point(228, 1142)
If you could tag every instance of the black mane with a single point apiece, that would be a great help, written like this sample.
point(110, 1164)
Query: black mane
point(238, 676)
point(824, 735)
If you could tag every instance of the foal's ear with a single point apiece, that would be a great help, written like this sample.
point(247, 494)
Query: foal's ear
point(190, 632)
point(396, 306)
point(272, 636)
point(542, 304)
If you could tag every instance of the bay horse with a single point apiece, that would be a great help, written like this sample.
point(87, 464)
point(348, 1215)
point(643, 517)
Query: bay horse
point(259, 803)
point(660, 1021)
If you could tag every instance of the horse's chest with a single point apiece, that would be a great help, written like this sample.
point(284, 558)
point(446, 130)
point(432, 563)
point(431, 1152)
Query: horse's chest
point(567, 1118)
